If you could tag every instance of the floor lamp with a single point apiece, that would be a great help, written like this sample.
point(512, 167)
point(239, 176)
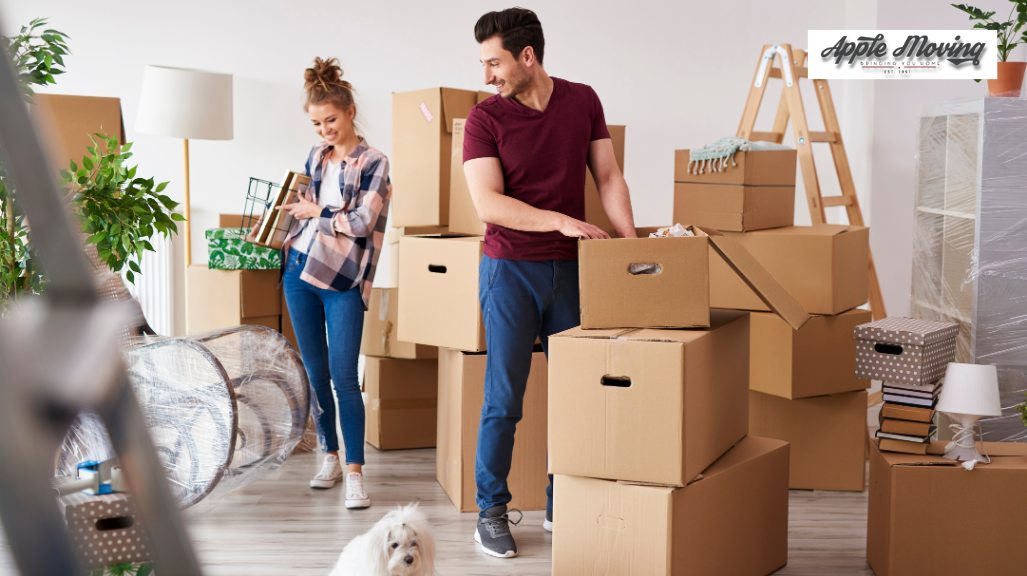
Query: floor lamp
point(186, 104)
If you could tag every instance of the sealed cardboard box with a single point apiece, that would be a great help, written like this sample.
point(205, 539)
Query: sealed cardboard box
point(69, 121)
point(827, 433)
point(461, 396)
point(439, 302)
point(380, 333)
point(225, 298)
point(731, 521)
point(823, 266)
point(905, 350)
point(393, 237)
point(756, 194)
point(648, 405)
point(814, 360)
point(422, 124)
point(463, 217)
point(402, 403)
point(665, 282)
point(927, 515)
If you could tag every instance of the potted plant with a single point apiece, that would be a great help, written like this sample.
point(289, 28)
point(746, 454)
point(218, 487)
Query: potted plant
point(1010, 74)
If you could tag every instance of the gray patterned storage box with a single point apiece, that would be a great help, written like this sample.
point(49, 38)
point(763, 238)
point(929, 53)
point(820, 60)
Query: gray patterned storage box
point(104, 529)
point(905, 350)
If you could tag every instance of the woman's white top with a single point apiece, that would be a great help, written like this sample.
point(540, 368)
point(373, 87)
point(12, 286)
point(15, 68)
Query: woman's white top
point(329, 195)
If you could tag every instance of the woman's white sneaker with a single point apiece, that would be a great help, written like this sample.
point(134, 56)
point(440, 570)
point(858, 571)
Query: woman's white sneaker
point(331, 472)
point(355, 495)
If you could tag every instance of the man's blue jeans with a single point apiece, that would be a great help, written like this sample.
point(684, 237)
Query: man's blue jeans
point(329, 357)
point(520, 301)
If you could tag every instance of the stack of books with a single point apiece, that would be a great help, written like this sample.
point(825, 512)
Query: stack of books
point(907, 417)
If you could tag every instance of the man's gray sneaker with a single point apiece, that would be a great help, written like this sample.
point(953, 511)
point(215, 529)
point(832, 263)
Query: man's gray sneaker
point(493, 532)
point(547, 524)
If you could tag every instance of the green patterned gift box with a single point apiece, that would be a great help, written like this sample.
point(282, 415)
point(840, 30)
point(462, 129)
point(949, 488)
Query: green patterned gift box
point(227, 249)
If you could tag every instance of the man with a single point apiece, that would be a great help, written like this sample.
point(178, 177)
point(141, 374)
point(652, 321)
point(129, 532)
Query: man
point(525, 154)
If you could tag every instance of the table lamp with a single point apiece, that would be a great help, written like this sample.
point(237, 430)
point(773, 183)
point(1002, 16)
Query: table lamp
point(187, 104)
point(970, 391)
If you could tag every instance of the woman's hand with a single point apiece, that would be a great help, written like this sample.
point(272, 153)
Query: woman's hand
point(302, 208)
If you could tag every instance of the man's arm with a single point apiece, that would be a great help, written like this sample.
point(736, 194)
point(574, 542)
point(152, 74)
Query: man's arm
point(485, 181)
point(613, 190)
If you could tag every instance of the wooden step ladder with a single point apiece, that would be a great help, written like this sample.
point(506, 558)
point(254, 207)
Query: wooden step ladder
point(791, 67)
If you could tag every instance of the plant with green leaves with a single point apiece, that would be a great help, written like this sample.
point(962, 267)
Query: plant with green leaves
point(123, 570)
point(37, 56)
point(1007, 29)
point(118, 210)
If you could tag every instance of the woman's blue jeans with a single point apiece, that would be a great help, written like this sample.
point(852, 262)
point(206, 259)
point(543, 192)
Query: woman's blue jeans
point(329, 356)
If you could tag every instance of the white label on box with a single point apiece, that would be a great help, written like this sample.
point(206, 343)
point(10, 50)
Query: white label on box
point(426, 112)
point(917, 54)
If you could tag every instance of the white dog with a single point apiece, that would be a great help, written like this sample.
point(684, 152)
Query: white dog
point(398, 545)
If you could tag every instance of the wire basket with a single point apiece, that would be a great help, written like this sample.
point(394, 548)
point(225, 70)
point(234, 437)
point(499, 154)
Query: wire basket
point(266, 225)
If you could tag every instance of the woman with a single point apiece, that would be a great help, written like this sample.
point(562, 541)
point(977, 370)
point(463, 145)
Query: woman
point(330, 257)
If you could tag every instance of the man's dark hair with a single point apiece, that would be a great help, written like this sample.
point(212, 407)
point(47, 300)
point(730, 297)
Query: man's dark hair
point(517, 28)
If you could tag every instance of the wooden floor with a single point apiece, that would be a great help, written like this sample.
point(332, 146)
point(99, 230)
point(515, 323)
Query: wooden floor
point(280, 526)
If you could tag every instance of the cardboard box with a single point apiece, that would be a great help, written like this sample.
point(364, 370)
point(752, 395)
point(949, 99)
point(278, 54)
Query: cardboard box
point(225, 298)
point(757, 168)
point(827, 433)
point(463, 217)
point(731, 521)
point(227, 249)
point(422, 124)
point(676, 296)
point(287, 330)
point(69, 121)
point(927, 515)
point(823, 266)
point(814, 360)
point(380, 321)
point(105, 529)
point(439, 302)
point(393, 237)
point(905, 350)
point(734, 208)
point(648, 405)
point(402, 403)
point(461, 396)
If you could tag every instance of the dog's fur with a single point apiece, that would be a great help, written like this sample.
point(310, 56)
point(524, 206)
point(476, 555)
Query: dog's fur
point(400, 537)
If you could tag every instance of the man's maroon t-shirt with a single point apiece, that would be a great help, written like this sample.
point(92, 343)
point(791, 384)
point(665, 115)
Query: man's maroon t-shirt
point(544, 157)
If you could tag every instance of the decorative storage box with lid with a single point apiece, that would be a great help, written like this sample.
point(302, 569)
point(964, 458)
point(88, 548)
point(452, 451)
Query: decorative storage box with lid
point(905, 350)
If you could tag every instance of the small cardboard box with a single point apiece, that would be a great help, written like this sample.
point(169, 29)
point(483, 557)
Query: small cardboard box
point(463, 217)
point(614, 294)
point(461, 396)
point(823, 266)
point(422, 124)
point(70, 121)
point(648, 405)
point(814, 360)
point(905, 350)
point(927, 515)
point(730, 521)
point(827, 433)
point(225, 298)
point(105, 529)
point(402, 403)
point(380, 321)
point(393, 237)
point(439, 302)
point(756, 194)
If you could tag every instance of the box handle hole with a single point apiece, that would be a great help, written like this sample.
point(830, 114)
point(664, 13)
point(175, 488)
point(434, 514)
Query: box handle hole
point(888, 349)
point(644, 268)
point(116, 523)
point(616, 381)
point(436, 269)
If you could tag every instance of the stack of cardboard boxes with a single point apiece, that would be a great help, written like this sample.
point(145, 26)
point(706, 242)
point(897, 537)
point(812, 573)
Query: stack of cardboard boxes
point(802, 383)
point(656, 472)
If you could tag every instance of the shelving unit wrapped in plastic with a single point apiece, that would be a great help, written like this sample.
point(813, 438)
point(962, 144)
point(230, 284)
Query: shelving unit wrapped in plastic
point(970, 239)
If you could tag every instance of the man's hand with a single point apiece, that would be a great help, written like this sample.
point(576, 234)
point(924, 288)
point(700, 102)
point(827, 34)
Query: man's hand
point(302, 208)
point(578, 229)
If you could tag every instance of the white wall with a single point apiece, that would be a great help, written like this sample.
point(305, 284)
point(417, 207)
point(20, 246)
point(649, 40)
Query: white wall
point(676, 73)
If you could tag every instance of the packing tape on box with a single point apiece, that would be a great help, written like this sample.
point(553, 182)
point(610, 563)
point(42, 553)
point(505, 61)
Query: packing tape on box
point(403, 403)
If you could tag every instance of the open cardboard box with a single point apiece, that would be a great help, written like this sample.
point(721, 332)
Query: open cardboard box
point(678, 295)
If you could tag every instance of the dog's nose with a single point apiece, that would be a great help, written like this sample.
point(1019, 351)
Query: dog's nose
point(408, 560)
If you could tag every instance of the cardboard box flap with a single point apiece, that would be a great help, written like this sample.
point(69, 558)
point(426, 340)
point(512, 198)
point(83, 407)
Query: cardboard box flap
point(762, 283)
point(745, 451)
point(718, 318)
point(601, 334)
point(456, 104)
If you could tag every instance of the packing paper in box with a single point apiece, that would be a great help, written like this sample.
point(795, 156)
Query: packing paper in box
point(970, 239)
point(227, 249)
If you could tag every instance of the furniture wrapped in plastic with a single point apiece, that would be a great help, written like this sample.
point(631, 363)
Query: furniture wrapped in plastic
point(224, 408)
point(970, 239)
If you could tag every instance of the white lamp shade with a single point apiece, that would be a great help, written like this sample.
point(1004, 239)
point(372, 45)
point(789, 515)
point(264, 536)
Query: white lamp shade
point(970, 389)
point(185, 104)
